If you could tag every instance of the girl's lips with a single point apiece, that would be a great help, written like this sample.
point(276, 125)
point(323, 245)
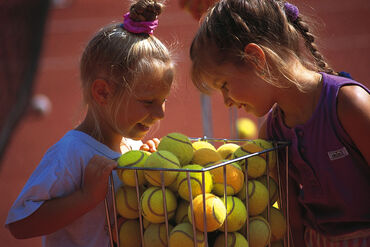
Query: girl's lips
point(143, 127)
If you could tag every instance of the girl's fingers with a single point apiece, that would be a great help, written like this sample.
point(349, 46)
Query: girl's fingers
point(156, 142)
point(144, 147)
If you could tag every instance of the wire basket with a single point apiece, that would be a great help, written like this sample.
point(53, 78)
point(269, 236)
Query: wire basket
point(282, 193)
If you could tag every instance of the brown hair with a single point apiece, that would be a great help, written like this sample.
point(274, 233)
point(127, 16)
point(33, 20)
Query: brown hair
point(120, 57)
point(232, 24)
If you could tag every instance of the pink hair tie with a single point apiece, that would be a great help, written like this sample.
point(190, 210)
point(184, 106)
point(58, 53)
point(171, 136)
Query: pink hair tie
point(139, 26)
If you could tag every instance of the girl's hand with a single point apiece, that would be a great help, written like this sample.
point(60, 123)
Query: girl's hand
point(95, 185)
point(150, 145)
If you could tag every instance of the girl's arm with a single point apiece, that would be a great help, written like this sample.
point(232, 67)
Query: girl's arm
point(354, 115)
point(57, 213)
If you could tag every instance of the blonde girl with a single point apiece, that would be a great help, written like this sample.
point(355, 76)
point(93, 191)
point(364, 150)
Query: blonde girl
point(262, 56)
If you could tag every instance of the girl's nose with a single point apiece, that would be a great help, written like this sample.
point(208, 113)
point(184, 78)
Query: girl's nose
point(158, 111)
point(227, 101)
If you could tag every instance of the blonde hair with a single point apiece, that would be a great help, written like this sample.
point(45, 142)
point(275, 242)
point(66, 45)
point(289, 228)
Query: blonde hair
point(232, 24)
point(121, 57)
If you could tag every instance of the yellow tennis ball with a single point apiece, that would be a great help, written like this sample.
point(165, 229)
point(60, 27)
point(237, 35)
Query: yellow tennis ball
point(246, 128)
point(206, 157)
point(127, 202)
point(274, 189)
point(152, 204)
point(129, 234)
point(182, 212)
point(215, 212)
point(173, 186)
point(161, 159)
point(256, 164)
point(272, 154)
point(202, 144)
point(277, 224)
point(133, 158)
point(259, 232)
point(258, 197)
point(234, 179)
point(196, 182)
point(234, 239)
point(236, 214)
point(156, 235)
point(179, 145)
point(226, 150)
point(182, 235)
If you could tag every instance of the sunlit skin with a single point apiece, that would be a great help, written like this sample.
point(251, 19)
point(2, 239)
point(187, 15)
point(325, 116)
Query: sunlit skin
point(147, 98)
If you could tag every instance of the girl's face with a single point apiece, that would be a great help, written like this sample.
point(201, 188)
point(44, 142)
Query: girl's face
point(241, 87)
point(141, 107)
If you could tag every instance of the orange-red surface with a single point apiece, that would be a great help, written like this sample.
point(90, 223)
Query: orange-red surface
point(345, 40)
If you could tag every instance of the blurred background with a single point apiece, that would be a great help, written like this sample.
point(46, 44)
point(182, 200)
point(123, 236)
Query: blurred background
point(43, 41)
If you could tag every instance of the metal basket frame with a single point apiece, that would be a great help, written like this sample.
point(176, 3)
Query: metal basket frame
point(283, 203)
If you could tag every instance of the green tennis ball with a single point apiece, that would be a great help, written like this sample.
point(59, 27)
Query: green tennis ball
point(152, 204)
point(179, 145)
point(183, 236)
point(234, 179)
point(236, 214)
point(133, 158)
point(256, 164)
point(274, 189)
point(258, 197)
point(182, 212)
point(156, 235)
point(215, 212)
point(161, 159)
point(206, 157)
point(196, 182)
point(226, 150)
point(234, 239)
point(259, 232)
point(272, 154)
point(129, 234)
point(127, 202)
point(277, 224)
point(202, 144)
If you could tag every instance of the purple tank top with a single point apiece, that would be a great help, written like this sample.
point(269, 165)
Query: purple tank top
point(332, 175)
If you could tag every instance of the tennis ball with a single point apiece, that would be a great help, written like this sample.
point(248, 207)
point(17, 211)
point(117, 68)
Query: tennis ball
point(234, 239)
point(182, 235)
point(277, 224)
point(173, 186)
point(196, 182)
point(133, 158)
point(259, 232)
point(146, 223)
point(234, 179)
point(273, 192)
point(152, 204)
point(161, 159)
point(256, 165)
point(156, 235)
point(258, 197)
point(179, 145)
point(126, 202)
point(226, 150)
point(236, 214)
point(129, 234)
point(182, 212)
point(215, 212)
point(206, 157)
point(246, 128)
point(202, 144)
point(272, 154)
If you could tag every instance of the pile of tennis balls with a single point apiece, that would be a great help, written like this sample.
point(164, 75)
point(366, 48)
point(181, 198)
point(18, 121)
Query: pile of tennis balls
point(175, 151)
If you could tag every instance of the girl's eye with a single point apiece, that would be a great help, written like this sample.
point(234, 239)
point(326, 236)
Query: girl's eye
point(224, 86)
point(147, 102)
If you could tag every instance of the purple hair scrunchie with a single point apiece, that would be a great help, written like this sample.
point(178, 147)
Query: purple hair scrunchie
point(291, 11)
point(139, 26)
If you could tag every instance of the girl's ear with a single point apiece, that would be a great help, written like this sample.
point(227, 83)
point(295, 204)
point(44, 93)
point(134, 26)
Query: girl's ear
point(255, 55)
point(100, 91)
